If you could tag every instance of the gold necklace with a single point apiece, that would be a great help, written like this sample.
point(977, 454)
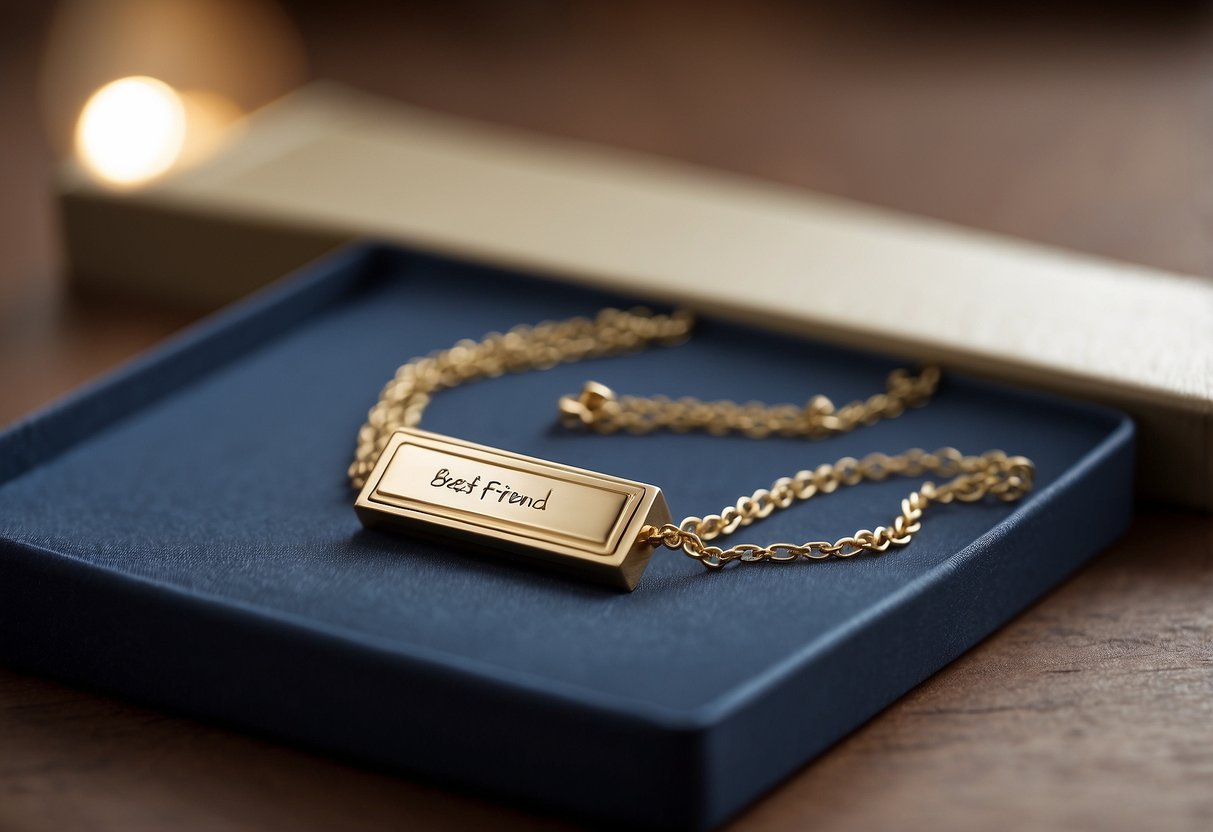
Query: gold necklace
point(604, 527)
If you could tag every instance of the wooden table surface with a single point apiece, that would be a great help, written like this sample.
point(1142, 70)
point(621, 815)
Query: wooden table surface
point(1091, 130)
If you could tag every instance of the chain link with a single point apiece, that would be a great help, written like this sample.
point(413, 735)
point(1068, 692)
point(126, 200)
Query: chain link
point(994, 474)
point(598, 408)
point(538, 347)
point(614, 332)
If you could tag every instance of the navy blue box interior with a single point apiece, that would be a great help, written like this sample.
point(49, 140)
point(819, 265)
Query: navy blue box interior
point(183, 533)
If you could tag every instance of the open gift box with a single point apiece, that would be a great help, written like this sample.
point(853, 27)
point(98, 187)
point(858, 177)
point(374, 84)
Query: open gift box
point(182, 533)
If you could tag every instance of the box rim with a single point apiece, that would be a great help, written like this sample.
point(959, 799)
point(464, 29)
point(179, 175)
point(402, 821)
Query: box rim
point(340, 272)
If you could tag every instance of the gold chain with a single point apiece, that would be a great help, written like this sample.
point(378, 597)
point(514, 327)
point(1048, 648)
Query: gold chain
point(598, 407)
point(613, 332)
point(539, 347)
point(993, 473)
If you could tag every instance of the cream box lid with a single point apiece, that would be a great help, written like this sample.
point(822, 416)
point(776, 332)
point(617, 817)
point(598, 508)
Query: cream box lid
point(327, 164)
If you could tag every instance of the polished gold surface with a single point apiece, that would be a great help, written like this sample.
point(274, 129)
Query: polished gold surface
point(489, 490)
point(587, 523)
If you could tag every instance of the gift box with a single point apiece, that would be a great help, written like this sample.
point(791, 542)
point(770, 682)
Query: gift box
point(182, 533)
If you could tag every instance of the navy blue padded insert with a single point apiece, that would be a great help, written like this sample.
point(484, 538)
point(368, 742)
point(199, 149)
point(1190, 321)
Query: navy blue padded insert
point(233, 488)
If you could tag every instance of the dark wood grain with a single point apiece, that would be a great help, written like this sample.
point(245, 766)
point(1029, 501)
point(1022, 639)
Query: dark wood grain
point(1091, 129)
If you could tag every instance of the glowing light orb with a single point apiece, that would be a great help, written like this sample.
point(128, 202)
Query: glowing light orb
point(131, 130)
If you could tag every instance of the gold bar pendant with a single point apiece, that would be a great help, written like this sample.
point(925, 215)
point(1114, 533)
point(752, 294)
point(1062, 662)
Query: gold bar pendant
point(574, 519)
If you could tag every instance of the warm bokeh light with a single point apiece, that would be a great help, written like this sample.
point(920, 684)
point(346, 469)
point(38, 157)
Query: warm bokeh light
point(233, 56)
point(131, 130)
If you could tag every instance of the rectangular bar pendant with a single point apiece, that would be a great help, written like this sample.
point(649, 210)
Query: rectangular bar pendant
point(440, 487)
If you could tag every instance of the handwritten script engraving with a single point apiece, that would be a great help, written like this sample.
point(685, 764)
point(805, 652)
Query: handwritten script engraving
point(502, 492)
point(528, 498)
